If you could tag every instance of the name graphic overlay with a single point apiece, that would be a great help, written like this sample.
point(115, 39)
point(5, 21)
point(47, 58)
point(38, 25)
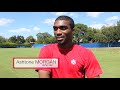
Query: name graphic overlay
point(35, 63)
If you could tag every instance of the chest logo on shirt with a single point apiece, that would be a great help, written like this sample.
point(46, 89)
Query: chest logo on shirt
point(73, 61)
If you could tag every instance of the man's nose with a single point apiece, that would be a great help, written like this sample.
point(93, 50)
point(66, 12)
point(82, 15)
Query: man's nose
point(59, 31)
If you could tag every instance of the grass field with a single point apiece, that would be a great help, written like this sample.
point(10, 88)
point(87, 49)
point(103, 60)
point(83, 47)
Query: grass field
point(109, 59)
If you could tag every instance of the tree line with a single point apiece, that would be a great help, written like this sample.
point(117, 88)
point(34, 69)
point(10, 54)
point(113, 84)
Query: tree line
point(83, 34)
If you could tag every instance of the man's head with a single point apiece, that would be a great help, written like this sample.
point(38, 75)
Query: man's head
point(64, 29)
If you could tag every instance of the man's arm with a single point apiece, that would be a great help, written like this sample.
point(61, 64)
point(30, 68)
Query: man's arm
point(92, 66)
point(97, 76)
point(44, 74)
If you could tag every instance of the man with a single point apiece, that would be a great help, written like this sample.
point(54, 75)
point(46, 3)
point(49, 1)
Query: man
point(74, 61)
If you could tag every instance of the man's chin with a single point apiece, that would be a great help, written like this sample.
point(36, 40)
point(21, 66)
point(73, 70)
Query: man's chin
point(60, 42)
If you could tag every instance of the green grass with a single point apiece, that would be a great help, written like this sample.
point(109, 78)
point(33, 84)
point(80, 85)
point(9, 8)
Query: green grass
point(6, 66)
point(109, 59)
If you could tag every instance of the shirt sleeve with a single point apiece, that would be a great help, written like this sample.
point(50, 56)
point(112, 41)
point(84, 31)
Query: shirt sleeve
point(92, 66)
point(44, 53)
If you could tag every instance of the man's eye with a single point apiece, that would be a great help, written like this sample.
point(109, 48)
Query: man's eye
point(60, 27)
point(55, 28)
point(63, 27)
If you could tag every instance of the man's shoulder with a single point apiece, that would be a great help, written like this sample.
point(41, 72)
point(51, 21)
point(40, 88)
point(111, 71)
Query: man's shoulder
point(84, 52)
point(82, 48)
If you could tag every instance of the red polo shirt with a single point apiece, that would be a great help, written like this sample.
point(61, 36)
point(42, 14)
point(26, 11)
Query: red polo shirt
point(72, 61)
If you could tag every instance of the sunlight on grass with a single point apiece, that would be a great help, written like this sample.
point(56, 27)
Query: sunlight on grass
point(109, 59)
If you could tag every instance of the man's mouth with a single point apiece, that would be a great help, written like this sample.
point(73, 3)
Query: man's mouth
point(59, 38)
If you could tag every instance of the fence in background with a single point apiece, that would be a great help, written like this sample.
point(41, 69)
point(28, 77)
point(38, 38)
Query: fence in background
point(88, 45)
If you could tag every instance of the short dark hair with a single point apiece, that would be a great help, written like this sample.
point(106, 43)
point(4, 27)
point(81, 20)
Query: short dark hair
point(63, 17)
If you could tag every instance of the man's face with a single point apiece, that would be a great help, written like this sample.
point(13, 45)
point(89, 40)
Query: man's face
point(62, 31)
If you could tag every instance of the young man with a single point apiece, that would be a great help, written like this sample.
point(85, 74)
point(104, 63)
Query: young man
point(74, 61)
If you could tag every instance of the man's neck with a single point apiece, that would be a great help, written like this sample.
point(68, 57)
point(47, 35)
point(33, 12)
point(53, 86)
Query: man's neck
point(66, 46)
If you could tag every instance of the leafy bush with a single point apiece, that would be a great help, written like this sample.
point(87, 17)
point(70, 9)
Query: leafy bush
point(14, 45)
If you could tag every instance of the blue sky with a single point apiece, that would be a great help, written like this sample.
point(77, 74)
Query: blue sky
point(30, 23)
